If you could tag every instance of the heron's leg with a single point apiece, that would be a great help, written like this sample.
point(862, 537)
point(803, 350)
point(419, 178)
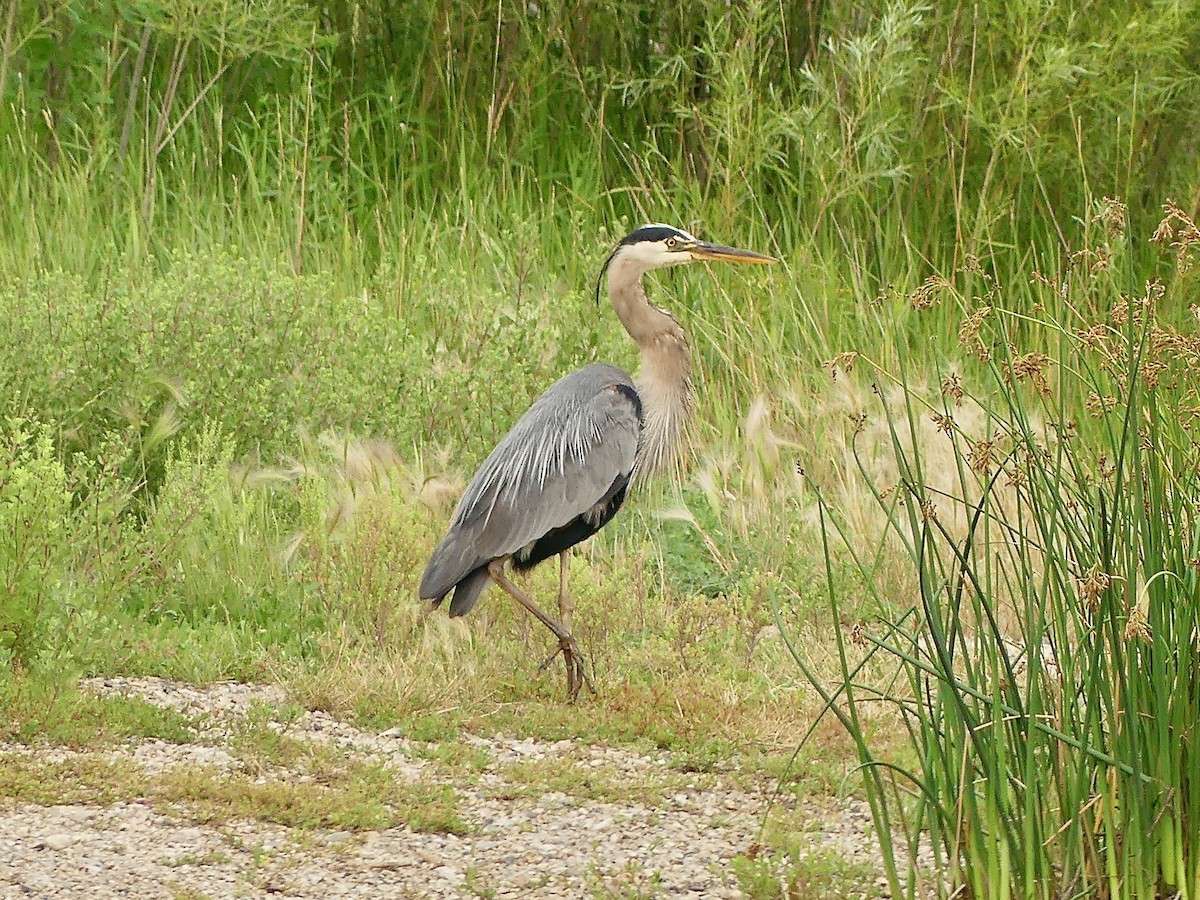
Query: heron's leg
point(577, 675)
point(566, 606)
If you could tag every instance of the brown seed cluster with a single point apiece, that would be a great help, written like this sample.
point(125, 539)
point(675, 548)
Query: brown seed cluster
point(1094, 337)
point(1136, 626)
point(968, 333)
point(843, 362)
point(952, 387)
point(1093, 259)
point(1030, 367)
point(858, 634)
point(1092, 586)
point(1113, 216)
point(981, 456)
point(928, 511)
point(1178, 231)
point(929, 293)
point(1098, 405)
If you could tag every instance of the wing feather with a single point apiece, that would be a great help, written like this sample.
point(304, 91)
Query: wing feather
point(560, 460)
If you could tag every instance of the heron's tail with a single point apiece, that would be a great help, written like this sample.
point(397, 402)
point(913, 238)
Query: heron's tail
point(467, 592)
point(442, 576)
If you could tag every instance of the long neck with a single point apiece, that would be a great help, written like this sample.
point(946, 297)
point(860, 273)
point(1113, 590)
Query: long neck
point(664, 382)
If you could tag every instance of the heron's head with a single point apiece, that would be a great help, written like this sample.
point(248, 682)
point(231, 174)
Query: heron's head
point(657, 246)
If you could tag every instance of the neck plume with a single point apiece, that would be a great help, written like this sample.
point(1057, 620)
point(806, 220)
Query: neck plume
point(664, 381)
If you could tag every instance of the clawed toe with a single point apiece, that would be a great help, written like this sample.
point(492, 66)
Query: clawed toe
point(576, 666)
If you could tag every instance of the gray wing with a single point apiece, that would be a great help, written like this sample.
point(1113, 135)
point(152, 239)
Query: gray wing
point(557, 463)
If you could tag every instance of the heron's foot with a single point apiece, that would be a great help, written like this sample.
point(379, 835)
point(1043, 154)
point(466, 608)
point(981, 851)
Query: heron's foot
point(577, 676)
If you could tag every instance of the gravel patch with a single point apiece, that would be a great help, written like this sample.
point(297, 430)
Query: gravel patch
point(548, 845)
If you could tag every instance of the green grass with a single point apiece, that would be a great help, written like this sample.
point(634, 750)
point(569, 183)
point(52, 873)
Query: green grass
point(627, 883)
point(587, 784)
point(210, 858)
point(354, 796)
point(42, 711)
point(76, 779)
point(816, 873)
point(361, 797)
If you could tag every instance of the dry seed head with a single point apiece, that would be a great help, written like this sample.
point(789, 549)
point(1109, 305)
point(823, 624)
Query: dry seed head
point(1033, 455)
point(968, 333)
point(858, 634)
point(1165, 232)
point(972, 266)
point(1031, 367)
point(1092, 586)
point(1107, 469)
point(1094, 337)
point(858, 421)
point(1098, 405)
point(929, 292)
point(1120, 311)
point(1178, 231)
point(1186, 233)
point(1182, 348)
point(970, 328)
point(762, 444)
point(1113, 215)
point(928, 511)
point(945, 424)
point(758, 419)
point(980, 456)
point(1061, 289)
point(843, 361)
point(1136, 628)
point(1065, 430)
point(952, 387)
point(1152, 372)
point(1093, 259)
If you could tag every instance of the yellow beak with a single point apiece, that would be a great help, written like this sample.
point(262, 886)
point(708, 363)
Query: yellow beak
point(704, 251)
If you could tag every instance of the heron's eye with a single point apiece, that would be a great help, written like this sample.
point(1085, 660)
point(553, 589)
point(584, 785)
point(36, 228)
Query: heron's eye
point(670, 243)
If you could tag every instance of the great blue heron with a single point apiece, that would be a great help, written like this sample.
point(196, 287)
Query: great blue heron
point(563, 470)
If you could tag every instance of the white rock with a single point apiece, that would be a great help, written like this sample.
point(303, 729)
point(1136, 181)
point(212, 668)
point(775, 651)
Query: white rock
point(60, 841)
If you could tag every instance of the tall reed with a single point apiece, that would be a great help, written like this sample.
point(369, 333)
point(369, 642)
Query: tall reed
point(1045, 671)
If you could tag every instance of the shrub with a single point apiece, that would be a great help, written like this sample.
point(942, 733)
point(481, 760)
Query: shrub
point(35, 545)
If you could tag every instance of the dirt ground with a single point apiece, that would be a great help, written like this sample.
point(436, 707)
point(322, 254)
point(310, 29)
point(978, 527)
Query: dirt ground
point(521, 840)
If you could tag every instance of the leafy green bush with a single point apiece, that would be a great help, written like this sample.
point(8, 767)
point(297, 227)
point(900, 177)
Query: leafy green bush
point(270, 356)
point(35, 536)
